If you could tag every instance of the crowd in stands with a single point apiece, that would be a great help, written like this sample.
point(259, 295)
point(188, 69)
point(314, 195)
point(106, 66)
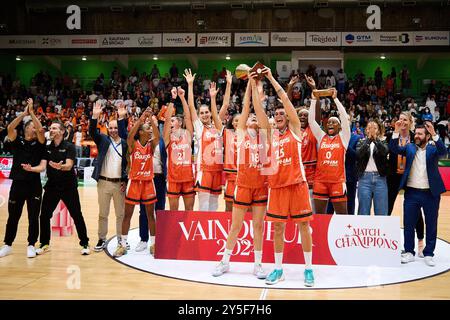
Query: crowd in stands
point(365, 97)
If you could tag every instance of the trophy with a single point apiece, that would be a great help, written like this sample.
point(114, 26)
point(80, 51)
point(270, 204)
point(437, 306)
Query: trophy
point(323, 92)
point(243, 70)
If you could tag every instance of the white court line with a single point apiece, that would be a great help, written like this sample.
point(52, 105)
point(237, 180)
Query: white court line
point(263, 294)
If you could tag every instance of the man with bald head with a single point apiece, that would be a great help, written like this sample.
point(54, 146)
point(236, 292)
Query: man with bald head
point(110, 172)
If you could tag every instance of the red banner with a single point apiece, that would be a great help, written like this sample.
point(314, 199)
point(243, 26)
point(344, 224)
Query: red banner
point(194, 235)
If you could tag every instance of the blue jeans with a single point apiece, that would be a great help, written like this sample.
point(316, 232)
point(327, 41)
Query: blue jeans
point(372, 186)
point(414, 200)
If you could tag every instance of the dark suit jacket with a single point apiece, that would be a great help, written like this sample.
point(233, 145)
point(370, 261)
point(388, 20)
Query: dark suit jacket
point(433, 153)
point(103, 141)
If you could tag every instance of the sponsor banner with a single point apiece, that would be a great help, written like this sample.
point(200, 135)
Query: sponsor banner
point(214, 40)
point(12, 42)
point(83, 41)
point(251, 39)
point(52, 42)
point(130, 40)
point(5, 166)
point(287, 39)
point(323, 39)
point(395, 38)
point(178, 39)
point(431, 38)
point(337, 240)
point(357, 39)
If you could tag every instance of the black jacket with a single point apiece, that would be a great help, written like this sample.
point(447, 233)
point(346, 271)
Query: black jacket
point(380, 155)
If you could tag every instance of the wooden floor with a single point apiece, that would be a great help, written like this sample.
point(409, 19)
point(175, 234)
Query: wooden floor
point(51, 276)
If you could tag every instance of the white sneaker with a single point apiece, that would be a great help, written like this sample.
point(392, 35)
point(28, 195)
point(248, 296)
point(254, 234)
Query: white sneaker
point(220, 269)
point(430, 261)
point(259, 272)
point(407, 257)
point(5, 250)
point(142, 245)
point(43, 249)
point(31, 252)
point(85, 250)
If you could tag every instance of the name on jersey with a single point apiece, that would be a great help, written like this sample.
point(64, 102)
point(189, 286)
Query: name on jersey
point(138, 155)
point(280, 143)
point(181, 146)
point(253, 146)
point(331, 146)
point(211, 135)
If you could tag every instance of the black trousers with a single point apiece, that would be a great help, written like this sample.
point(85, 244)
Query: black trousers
point(69, 195)
point(393, 182)
point(21, 191)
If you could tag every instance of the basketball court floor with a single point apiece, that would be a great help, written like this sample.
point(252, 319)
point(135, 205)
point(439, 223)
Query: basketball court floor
point(63, 273)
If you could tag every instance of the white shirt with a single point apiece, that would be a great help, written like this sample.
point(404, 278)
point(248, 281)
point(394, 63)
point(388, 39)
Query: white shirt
point(371, 165)
point(78, 136)
point(157, 163)
point(112, 164)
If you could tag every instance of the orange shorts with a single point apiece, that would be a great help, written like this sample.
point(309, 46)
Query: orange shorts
point(180, 189)
point(209, 181)
point(289, 202)
point(140, 192)
point(246, 197)
point(336, 192)
point(230, 185)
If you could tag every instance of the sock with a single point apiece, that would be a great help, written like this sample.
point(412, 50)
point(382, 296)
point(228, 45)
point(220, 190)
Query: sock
point(203, 201)
point(124, 240)
point(278, 260)
point(227, 256)
point(152, 240)
point(258, 257)
point(308, 259)
point(213, 202)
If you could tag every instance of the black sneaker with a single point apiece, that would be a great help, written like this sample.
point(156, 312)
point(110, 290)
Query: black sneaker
point(100, 245)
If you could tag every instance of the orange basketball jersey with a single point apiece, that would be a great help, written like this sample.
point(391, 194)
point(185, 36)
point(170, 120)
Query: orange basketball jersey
point(286, 160)
point(230, 148)
point(141, 162)
point(249, 158)
point(309, 154)
point(210, 150)
point(331, 160)
point(179, 158)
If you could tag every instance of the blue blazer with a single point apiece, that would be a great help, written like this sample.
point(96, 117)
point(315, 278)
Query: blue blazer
point(103, 141)
point(350, 159)
point(433, 153)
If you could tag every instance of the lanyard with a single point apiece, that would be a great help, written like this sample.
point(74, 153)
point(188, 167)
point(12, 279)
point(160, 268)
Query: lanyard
point(115, 147)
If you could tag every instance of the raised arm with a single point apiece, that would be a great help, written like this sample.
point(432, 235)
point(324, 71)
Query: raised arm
point(37, 124)
point(315, 127)
point(135, 129)
point(312, 84)
point(393, 144)
point(343, 116)
point(12, 132)
point(242, 123)
point(215, 116)
point(122, 121)
point(190, 80)
point(96, 111)
point(186, 111)
point(167, 123)
point(257, 95)
point(226, 98)
point(294, 121)
point(290, 86)
point(155, 129)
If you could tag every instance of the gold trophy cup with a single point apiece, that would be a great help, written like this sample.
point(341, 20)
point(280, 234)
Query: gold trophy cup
point(243, 70)
point(323, 92)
